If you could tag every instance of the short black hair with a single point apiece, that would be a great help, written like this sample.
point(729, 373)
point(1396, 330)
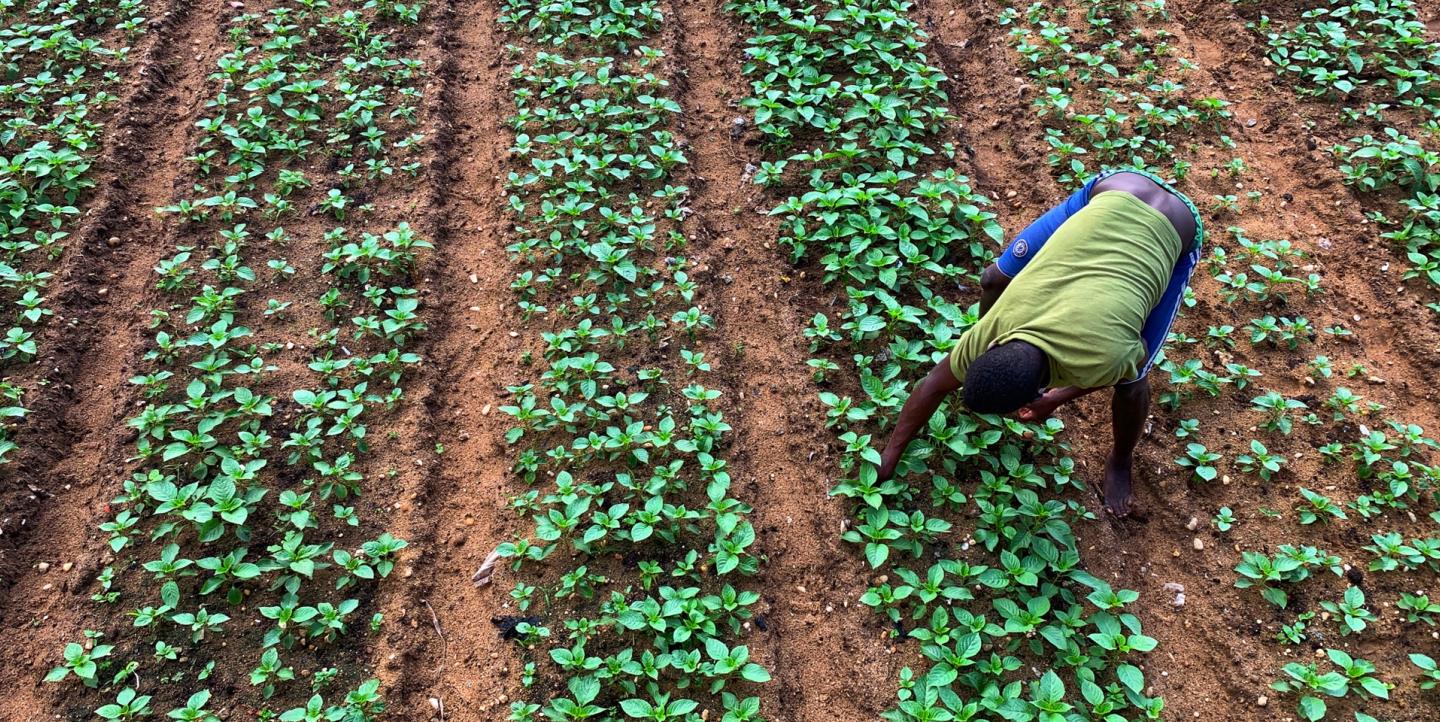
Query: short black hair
point(1005, 378)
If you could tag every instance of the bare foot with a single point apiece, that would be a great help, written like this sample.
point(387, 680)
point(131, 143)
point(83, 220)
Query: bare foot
point(1118, 499)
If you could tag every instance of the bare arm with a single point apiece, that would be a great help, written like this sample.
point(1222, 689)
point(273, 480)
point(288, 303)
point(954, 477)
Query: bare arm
point(916, 412)
point(936, 385)
point(1041, 408)
point(992, 283)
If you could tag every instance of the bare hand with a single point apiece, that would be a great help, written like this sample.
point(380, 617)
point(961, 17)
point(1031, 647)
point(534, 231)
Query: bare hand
point(1042, 408)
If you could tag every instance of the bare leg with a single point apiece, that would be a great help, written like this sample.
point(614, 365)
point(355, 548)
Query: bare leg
point(1128, 407)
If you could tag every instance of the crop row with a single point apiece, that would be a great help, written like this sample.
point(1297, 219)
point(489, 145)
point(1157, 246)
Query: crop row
point(1375, 62)
point(236, 548)
point(630, 584)
point(1114, 92)
point(1120, 78)
point(984, 577)
point(63, 67)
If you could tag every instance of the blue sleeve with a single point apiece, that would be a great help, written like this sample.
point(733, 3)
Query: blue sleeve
point(1162, 317)
point(1033, 238)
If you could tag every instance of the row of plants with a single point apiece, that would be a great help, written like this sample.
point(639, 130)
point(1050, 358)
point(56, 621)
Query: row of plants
point(981, 572)
point(64, 63)
point(1112, 93)
point(1318, 596)
point(1119, 85)
point(241, 562)
point(629, 600)
point(1375, 64)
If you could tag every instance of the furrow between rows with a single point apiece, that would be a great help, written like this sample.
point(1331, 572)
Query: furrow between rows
point(782, 450)
point(454, 665)
point(45, 608)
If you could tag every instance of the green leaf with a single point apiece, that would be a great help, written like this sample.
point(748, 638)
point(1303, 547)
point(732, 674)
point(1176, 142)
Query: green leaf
point(641, 531)
point(1131, 677)
point(755, 673)
point(170, 594)
point(876, 554)
point(584, 689)
point(1311, 708)
point(716, 649)
point(1375, 687)
point(1142, 643)
point(637, 708)
point(1275, 596)
point(1050, 688)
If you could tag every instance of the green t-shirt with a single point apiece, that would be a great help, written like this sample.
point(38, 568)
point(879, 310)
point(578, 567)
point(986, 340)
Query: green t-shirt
point(1084, 296)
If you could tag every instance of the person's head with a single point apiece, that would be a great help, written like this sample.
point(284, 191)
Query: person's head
point(1005, 378)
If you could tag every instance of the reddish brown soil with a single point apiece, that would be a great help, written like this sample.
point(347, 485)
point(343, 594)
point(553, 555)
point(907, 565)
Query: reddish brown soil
point(448, 651)
point(831, 657)
point(1217, 654)
point(93, 262)
point(108, 286)
point(781, 453)
point(81, 428)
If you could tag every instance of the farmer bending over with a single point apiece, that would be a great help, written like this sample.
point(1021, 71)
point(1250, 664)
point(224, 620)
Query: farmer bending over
point(1081, 300)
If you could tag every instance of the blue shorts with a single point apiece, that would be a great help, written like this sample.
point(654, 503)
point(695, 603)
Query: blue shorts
point(1157, 324)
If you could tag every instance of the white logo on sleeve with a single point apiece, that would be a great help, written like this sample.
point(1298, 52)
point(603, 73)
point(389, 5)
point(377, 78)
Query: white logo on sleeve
point(1021, 248)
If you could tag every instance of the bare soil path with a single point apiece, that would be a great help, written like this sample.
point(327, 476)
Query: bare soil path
point(104, 289)
point(820, 643)
point(456, 657)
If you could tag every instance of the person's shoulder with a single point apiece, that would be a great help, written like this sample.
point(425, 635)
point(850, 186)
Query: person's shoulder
point(1137, 184)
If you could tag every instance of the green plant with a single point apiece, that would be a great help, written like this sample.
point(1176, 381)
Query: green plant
point(1317, 507)
point(1430, 672)
point(1340, 52)
point(1312, 686)
point(598, 246)
point(1350, 611)
point(1200, 461)
point(1260, 461)
point(1360, 674)
point(243, 478)
point(82, 662)
point(1295, 632)
point(1289, 565)
point(1417, 608)
point(1309, 683)
point(1277, 410)
point(1224, 519)
point(128, 705)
